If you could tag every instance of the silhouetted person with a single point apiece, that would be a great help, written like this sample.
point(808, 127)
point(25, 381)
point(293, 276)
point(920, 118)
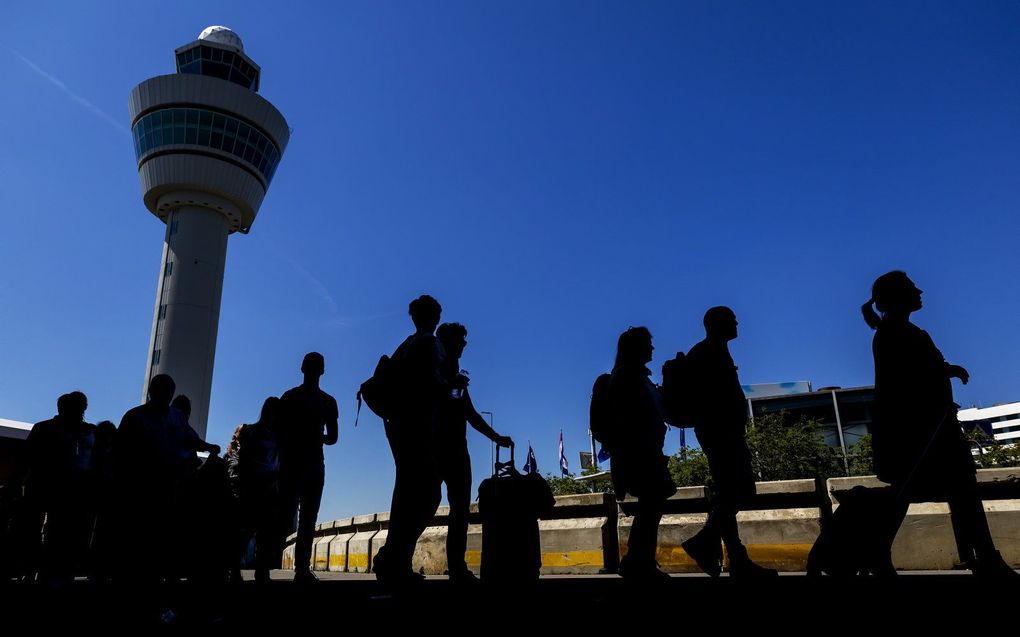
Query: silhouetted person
point(101, 552)
point(455, 411)
point(639, 467)
point(255, 468)
point(154, 463)
point(720, 421)
point(417, 489)
point(308, 420)
point(919, 447)
point(189, 447)
point(60, 486)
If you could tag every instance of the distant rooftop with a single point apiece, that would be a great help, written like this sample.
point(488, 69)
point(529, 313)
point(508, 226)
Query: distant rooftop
point(14, 429)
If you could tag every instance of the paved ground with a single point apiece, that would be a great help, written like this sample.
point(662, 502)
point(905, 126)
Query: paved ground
point(559, 604)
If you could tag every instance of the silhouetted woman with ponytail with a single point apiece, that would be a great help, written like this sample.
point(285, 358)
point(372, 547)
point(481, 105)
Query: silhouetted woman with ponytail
point(918, 444)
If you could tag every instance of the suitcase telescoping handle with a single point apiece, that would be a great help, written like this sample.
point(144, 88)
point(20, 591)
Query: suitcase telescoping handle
point(504, 468)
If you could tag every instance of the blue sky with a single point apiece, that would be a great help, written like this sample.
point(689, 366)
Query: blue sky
point(552, 172)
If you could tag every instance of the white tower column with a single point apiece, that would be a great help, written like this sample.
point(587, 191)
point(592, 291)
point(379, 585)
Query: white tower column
point(187, 314)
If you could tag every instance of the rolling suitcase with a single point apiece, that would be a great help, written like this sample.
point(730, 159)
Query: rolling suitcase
point(510, 504)
point(851, 539)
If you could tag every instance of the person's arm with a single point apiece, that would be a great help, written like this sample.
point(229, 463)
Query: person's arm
point(332, 425)
point(956, 371)
point(478, 423)
point(194, 442)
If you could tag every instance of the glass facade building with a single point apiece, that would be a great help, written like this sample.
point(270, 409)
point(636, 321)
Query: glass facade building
point(206, 129)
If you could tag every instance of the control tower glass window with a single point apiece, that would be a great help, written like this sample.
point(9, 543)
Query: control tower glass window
point(206, 129)
point(214, 62)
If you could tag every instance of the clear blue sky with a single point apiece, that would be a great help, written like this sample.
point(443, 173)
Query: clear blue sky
point(552, 172)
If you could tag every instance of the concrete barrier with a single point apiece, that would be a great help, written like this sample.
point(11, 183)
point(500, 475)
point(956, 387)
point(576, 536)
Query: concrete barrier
point(777, 538)
point(287, 561)
point(430, 552)
point(588, 533)
point(379, 539)
point(324, 534)
point(359, 547)
point(579, 535)
point(338, 545)
point(683, 519)
point(473, 555)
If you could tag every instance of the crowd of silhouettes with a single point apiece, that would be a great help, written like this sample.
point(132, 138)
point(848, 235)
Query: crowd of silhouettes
point(88, 489)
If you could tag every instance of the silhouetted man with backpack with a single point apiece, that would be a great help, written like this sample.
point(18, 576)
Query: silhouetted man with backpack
point(308, 420)
point(410, 430)
point(716, 406)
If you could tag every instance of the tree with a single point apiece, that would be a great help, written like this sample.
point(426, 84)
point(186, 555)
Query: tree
point(781, 451)
point(568, 485)
point(991, 452)
point(689, 468)
point(861, 457)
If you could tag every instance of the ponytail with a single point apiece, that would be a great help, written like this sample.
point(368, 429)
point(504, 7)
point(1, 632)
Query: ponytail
point(871, 317)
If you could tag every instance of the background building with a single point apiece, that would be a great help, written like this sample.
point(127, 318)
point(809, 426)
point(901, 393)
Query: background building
point(844, 415)
point(12, 444)
point(1001, 421)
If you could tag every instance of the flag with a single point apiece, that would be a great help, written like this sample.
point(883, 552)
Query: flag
point(563, 456)
point(531, 466)
point(683, 438)
point(603, 454)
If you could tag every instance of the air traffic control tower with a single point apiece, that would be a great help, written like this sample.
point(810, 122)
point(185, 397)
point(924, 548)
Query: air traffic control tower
point(207, 146)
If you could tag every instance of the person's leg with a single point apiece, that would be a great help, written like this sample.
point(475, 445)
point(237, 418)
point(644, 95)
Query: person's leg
point(427, 492)
point(970, 523)
point(57, 544)
point(394, 558)
point(705, 546)
point(734, 486)
point(736, 490)
point(268, 540)
point(310, 494)
point(456, 472)
point(644, 534)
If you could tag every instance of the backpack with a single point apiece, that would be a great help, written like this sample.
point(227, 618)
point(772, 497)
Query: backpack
point(676, 389)
point(601, 416)
point(380, 391)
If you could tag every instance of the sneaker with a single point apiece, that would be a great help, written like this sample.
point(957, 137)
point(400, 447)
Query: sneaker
point(706, 552)
point(305, 577)
point(642, 574)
